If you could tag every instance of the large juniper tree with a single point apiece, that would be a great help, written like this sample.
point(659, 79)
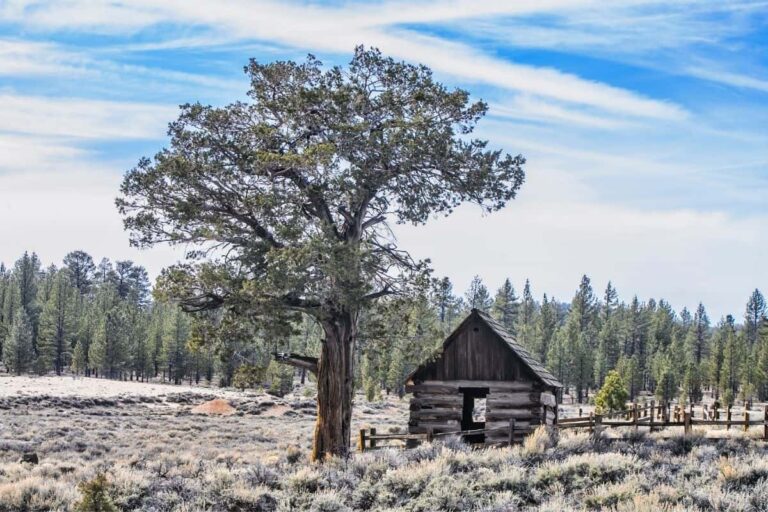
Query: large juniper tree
point(289, 195)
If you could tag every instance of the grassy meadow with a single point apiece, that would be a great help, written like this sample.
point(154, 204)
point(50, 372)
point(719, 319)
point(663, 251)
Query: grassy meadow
point(158, 456)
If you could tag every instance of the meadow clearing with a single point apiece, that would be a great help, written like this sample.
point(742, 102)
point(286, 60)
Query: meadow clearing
point(159, 456)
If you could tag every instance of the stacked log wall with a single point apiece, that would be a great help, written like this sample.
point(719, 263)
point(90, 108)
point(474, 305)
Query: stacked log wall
point(437, 406)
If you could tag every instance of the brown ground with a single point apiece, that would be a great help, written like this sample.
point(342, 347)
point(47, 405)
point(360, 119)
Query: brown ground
point(215, 406)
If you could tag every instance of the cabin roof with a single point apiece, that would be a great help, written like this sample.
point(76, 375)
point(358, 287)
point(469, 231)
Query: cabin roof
point(536, 367)
point(510, 342)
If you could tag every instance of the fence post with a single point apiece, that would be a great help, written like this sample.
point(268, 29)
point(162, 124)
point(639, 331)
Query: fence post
point(728, 419)
point(634, 416)
point(653, 412)
point(373, 441)
point(361, 443)
point(429, 434)
point(746, 421)
point(765, 423)
point(686, 423)
point(598, 425)
point(591, 423)
point(511, 431)
point(579, 412)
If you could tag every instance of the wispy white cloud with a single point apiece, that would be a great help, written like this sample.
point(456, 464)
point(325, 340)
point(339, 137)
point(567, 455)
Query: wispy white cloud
point(33, 155)
point(337, 29)
point(25, 59)
point(28, 58)
point(621, 184)
point(83, 118)
point(729, 78)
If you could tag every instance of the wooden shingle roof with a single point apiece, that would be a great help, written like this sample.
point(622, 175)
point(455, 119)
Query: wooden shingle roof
point(536, 367)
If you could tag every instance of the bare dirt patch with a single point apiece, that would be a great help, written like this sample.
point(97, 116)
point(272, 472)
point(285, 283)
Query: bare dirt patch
point(216, 407)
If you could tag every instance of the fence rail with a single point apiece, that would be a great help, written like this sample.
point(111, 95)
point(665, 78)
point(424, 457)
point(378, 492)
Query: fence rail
point(636, 416)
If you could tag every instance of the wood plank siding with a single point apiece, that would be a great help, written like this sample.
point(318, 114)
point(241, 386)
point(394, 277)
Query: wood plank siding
point(481, 361)
point(475, 353)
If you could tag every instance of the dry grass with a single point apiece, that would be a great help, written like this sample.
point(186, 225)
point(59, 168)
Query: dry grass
point(159, 457)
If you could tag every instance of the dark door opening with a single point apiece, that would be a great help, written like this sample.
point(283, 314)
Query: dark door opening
point(473, 413)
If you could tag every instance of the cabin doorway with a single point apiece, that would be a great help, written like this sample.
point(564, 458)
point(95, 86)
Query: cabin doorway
point(473, 413)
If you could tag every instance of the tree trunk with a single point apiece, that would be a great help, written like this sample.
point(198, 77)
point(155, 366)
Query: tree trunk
point(335, 387)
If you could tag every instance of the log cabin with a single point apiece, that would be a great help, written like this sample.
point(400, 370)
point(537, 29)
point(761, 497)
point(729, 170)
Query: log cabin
point(482, 379)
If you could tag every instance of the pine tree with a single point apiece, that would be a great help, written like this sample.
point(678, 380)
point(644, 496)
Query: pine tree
point(610, 301)
point(733, 353)
point(370, 378)
point(81, 270)
point(175, 345)
point(9, 302)
point(138, 342)
point(686, 319)
point(662, 327)
point(608, 349)
point(56, 326)
point(753, 317)
point(86, 332)
point(505, 306)
point(582, 366)
point(526, 325)
point(584, 305)
point(691, 384)
point(108, 350)
point(700, 329)
point(448, 306)
point(715, 366)
point(612, 395)
point(26, 276)
point(631, 374)
point(545, 329)
point(105, 273)
point(18, 353)
point(477, 295)
point(666, 373)
point(557, 357)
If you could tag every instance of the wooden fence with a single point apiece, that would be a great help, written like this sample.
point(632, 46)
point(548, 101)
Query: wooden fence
point(653, 416)
point(662, 416)
point(368, 439)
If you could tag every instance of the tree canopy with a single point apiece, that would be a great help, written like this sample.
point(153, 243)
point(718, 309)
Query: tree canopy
point(292, 190)
point(288, 198)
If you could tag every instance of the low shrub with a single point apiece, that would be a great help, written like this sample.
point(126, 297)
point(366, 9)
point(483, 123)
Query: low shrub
point(95, 496)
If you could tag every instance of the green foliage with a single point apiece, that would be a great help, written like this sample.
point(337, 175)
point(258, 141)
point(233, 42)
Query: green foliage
point(95, 496)
point(248, 376)
point(613, 395)
point(280, 378)
point(506, 306)
point(478, 296)
point(57, 326)
point(18, 351)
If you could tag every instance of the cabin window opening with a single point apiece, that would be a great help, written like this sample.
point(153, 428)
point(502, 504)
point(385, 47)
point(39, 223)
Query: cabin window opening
point(478, 410)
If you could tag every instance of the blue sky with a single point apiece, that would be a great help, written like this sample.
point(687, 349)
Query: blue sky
point(644, 124)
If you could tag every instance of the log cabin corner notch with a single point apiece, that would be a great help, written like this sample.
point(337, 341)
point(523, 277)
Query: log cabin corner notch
point(482, 362)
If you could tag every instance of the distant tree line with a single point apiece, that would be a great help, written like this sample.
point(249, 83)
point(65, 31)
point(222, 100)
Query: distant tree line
point(101, 320)
point(653, 348)
point(94, 320)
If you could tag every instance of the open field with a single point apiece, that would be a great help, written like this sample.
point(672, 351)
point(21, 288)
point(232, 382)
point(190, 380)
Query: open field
point(158, 456)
